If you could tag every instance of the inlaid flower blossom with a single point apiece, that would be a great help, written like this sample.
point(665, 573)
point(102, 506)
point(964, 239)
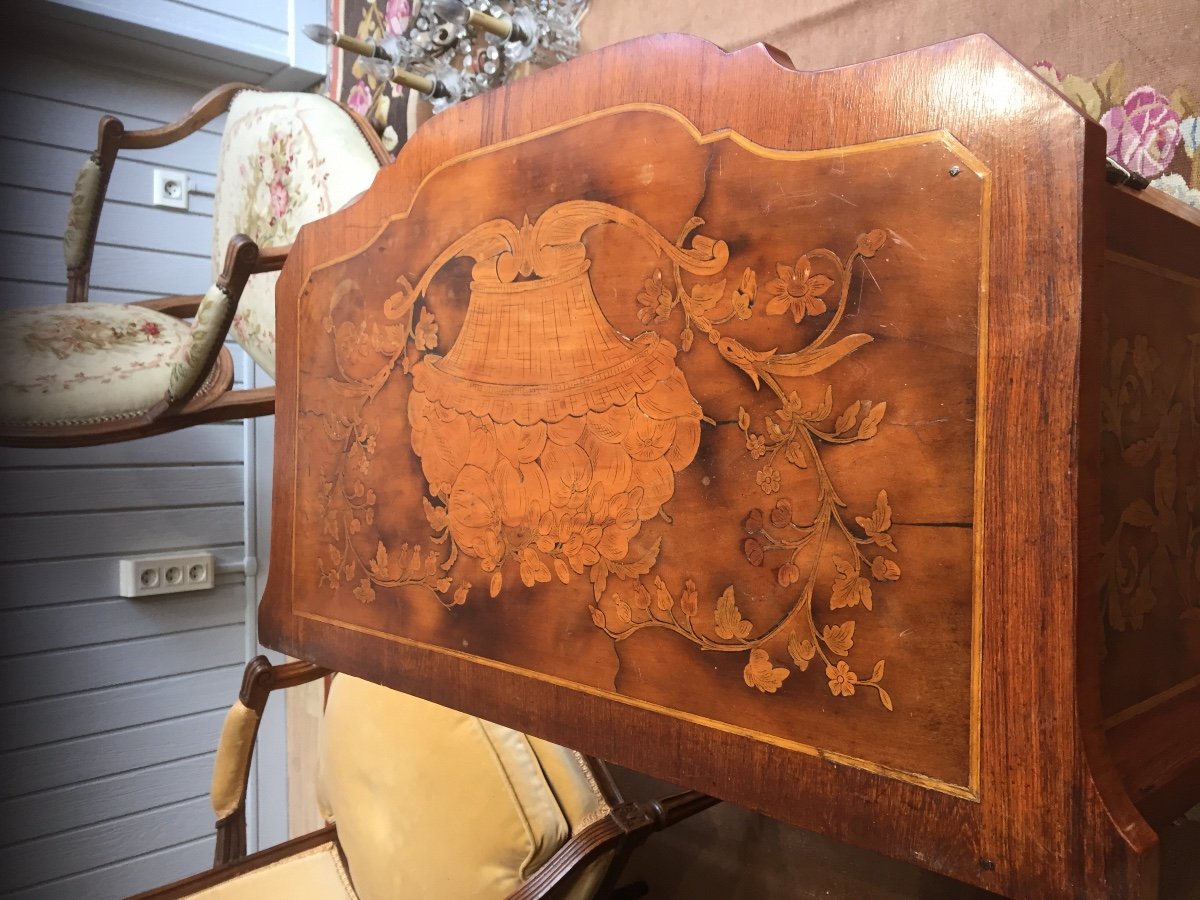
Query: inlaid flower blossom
point(797, 289)
point(841, 679)
point(768, 479)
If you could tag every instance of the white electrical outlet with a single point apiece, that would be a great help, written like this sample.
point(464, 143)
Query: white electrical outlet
point(170, 189)
point(144, 576)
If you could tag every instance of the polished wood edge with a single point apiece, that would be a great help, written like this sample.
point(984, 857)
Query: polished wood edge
point(271, 259)
point(1128, 214)
point(181, 306)
point(202, 112)
point(1157, 753)
point(261, 678)
point(185, 887)
point(1131, 829)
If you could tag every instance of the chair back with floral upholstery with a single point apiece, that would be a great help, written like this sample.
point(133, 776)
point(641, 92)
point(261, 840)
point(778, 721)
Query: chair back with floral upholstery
point(286, 159)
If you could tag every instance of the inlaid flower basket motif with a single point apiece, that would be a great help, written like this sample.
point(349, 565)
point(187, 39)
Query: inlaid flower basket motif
point(698, 440)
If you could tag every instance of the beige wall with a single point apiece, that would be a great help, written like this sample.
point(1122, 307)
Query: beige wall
point(1158, 40)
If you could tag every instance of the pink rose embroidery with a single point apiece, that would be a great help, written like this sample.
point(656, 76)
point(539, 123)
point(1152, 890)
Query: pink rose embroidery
point(359, 99)
point(279, 199)
point(1143, 132)
point(397, 15)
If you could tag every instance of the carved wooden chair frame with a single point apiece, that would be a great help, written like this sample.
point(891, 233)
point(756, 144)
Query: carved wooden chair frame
point(202, 392)
point(626, 826)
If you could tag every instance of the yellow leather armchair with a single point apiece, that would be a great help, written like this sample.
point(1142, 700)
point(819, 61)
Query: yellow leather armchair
point(425, 802)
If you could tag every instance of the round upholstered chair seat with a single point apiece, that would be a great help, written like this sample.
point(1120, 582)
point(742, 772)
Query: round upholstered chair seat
point(83, 364)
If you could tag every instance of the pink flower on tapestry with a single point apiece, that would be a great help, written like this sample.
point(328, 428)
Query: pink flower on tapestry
point(279, 199)
point(359, 99)
point(397, 15)
point(1143, 132)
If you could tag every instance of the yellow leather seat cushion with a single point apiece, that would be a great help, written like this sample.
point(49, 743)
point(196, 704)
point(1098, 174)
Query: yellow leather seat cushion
point(315, 874)
point(430, 802)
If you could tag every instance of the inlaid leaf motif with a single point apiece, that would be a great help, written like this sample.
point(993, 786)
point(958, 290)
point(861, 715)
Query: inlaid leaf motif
point(624, 613)
point(870, 425)
point(877, 526)
point(801, 651)
point(688, 600)
point(705, 297)
point(1140, 452)
point(884, 569)
point(849, 588)
point(379, 565)
point(847, 420)
point(839, 638)
point(1139, 514)
point(729, 623)
point(662, 596)
point(809, 362)
point(761, 673)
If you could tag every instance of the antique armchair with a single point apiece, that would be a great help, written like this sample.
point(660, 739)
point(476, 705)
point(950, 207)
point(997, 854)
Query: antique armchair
point(423, 801)
point(88, 373)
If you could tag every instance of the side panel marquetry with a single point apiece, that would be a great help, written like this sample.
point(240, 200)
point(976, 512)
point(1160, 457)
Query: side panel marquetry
point(1150, 487)
point(689, 423)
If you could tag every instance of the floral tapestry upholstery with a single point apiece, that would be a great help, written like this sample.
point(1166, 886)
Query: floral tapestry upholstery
point(84, 363)
point(383, 104)
point(286, 159)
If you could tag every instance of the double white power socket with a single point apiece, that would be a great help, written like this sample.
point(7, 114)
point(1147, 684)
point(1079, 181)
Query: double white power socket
point(174, 573)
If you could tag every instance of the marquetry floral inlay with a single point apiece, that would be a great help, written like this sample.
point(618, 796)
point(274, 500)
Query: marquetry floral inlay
point(795, 545)
point(543, 462)
point(1155, 543)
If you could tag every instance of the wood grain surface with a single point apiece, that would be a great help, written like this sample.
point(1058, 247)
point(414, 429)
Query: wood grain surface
point(521, 353)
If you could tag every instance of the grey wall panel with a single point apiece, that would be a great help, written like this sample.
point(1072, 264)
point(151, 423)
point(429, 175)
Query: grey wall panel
point(106, 665)
point(110, 753)
point(127, 793)
point(70, 625)
point(42, 859)
point(129, 876)
point(65, 490)
point(52, 719)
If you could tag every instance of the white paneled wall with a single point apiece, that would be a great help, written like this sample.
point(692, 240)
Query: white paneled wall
point(110, 708)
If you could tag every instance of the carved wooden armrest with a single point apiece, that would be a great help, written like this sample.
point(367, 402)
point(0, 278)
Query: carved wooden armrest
point(213, 317)
point(181, 306)
point(87, 199)
point(622, 831)
point(231, 770)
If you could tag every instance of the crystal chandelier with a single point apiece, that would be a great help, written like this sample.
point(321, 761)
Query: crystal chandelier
point(453, 50)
